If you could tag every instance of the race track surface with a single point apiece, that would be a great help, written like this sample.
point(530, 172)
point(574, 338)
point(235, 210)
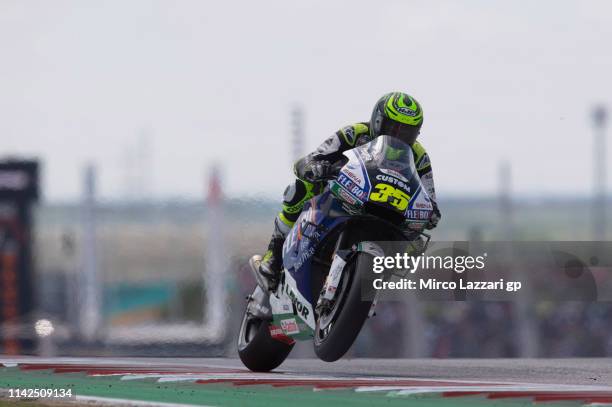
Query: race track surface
point(406, 382)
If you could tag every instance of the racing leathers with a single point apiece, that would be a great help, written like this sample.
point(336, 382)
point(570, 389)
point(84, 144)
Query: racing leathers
point(312, 169)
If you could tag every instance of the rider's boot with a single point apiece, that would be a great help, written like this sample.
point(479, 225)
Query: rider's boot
point(270, 267)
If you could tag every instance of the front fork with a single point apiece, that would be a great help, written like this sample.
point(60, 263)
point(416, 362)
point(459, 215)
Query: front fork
point(337, 269)
point(258, 304)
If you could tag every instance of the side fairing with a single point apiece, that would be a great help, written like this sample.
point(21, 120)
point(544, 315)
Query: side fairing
point(420, 208)
point(312, 226)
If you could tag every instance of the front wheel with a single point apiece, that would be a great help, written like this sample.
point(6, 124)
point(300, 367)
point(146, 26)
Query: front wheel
point(338, 327)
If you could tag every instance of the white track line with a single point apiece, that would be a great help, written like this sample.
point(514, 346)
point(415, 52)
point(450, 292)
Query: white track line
point(408, 390)
point(287, 376)
point(130, 402)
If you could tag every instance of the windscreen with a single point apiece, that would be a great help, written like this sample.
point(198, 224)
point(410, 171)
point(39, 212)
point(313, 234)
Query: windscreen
point(390, 153)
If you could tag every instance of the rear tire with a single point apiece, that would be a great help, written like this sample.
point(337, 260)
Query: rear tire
point(257, 350)
point(351, 314)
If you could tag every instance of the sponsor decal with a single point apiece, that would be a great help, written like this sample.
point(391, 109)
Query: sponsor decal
point(393, 173)
point(421, 205)
point(349, 135)
point(290, 241)
point(300, 305)
point(276, 331)
point(305, 255)
point(278, 334)
point(358, 192)
point(406, 111)
point(290, 326)
point(394, 181)
point(333, 278)
point(354, 177)
point(389, 194)
point(350, 186)
point(346, 197)
point(301, 308)
point(417, 214)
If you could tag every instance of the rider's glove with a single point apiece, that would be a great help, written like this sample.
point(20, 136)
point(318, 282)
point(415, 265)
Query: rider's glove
point(435, 217)
point(316, 170)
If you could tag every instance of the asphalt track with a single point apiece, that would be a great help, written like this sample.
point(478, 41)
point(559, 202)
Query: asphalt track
point(407, 382)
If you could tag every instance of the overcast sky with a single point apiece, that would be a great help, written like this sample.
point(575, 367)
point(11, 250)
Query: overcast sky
point(214, 81)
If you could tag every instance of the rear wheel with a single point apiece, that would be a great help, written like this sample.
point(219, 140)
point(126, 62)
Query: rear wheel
point(257, 350)
point(338, 327)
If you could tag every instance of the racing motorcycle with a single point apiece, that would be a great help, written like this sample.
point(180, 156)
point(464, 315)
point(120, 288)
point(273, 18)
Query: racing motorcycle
point(324, 292)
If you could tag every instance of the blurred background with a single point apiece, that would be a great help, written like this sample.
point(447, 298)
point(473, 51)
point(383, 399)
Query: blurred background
point(145, 146)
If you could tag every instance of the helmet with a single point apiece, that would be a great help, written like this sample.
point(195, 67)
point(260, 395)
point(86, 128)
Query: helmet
point(399, 115)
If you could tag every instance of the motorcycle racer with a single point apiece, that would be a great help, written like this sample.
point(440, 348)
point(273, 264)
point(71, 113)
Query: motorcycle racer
point(395, 114)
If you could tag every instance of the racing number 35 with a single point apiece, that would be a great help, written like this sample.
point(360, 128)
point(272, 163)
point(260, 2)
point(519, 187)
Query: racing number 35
point(386, 192)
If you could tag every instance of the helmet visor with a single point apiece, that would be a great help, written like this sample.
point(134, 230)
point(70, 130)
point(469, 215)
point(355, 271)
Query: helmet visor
point(405, 132)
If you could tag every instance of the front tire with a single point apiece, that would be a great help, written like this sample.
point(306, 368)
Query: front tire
point(334, 338)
